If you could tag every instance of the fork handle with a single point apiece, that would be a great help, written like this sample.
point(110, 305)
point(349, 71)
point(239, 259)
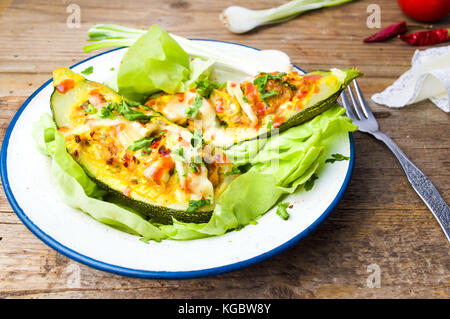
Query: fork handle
point(421, 184)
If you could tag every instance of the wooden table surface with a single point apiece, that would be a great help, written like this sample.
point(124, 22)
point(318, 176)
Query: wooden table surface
point(379, 221)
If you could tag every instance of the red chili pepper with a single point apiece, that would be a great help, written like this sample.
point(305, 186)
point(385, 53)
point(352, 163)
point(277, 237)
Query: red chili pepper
point(387, 33)
point(426, 37)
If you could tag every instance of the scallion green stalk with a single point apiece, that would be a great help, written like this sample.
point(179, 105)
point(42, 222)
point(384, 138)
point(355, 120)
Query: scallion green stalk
point(111, 35)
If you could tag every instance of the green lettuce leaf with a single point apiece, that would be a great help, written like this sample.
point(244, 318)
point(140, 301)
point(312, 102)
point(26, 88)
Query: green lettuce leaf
point(153, 63)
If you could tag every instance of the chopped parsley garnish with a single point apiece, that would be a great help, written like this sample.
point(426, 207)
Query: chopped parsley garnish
point(192, 111)
point(205, 87)
point(269, 124)
point(234, 171)
point(89, 109)
point(133, 115)
point(289, 85)
point(177, 154)
point(282, 210)
point(265, 95)
point(147, 240)
point(112, 69)
point(278, 76)
point(194, 167)
point(144, 144)
point(88, 70)
point(197, 139)
point(310, 182)
point(261, 82)
point(195, 205)
point(244, 98)
point(337, 157)
point(112, 108)
point(107, 111)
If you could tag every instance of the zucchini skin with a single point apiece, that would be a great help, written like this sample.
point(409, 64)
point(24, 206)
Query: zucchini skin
point(158, 214)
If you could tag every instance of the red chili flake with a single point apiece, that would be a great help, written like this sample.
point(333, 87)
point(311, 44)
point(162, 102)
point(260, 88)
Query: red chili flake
point(426, 37)
point(126, 157)
point(387, 33)
point(233, 84)
point(92, 133)
point(110, 161)
point(291, 206)
point(125, 164)
point(155, 143)
point(77, 138)
point(75, 153)
point(85, 104)
point(163, 151)
point(65, 86)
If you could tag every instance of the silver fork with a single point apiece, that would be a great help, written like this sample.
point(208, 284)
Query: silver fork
point(421, 184)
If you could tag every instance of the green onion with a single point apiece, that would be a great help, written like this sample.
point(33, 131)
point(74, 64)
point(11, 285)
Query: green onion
point(282, 210)
point(240, 20)
point(88, 70)
point(192, 111)
point(90, 109)
point(195, 205)
point(111, 35)
point(337, 157)
point(234, 171)
point(310, 182)
point(205, 87)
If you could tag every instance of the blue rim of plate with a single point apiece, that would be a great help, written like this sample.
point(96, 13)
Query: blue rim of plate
point(139, 273)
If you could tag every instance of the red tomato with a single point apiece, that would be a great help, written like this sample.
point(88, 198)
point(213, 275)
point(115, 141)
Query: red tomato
point(425, 10)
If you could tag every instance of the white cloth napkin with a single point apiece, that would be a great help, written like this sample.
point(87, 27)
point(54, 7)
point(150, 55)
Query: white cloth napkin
point(428, 78)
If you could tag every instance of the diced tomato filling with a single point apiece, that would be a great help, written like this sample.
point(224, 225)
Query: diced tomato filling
point(180, 97)
point(312, 77)
point(166, 166)
point(219, 105)
point(277, 121)
point(95, 98)
point(65, 86)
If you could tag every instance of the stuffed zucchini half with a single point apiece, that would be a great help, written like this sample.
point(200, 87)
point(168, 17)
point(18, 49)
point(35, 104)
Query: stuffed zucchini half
point(151, 164)
point(263, 105)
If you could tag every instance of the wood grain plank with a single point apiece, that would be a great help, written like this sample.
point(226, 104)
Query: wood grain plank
point(380, 220)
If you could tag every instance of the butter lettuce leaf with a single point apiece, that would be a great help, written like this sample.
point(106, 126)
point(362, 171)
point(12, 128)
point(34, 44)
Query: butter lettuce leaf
point(155, 62)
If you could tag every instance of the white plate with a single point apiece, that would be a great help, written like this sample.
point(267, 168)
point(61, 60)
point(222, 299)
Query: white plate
point(32, 194)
